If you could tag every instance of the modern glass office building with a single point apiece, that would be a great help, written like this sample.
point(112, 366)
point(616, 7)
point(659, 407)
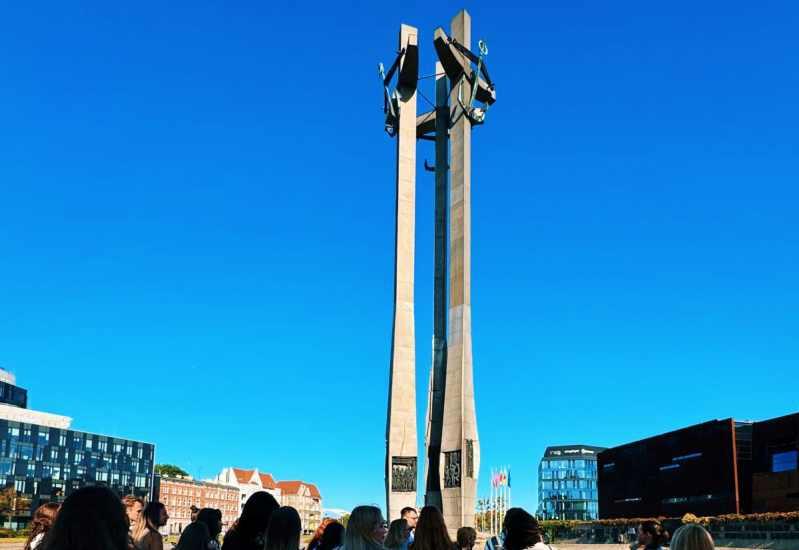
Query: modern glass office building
point(567, 484)
point(43, 460)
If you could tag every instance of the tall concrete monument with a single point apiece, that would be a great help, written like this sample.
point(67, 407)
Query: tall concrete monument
point(401, 444)
point(452, 444)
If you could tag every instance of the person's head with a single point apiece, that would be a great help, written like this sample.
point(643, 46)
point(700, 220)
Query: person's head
point(366, 529)
point(212, 519)
point(194, 537)
point(466, 538)
point(652, 533)
point(284, 530)
point(692, 537)
point(317, 536)
point(256, 514)
point(410, 515)
point(431, 531)
point(155, 515)
point(91, 518)
point(520, 530)
point(152, 517)
point(332, 537)
point(42, 521)
point(398, 533)
point(194, 511)
point(133, 507)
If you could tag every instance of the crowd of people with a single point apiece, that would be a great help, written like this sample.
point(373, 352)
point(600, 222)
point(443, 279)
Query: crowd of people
point(94, 518)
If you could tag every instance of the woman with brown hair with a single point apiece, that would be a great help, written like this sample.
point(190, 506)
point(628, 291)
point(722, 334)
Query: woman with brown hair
point(398, 533)
point(366, 529)
point(467, 536)
point(520, 531)
point(91, 518)
point(43, 519)
point(332, 538)
point(285, 527)
point(317, 536)
point(431, 531)
point(248, 533)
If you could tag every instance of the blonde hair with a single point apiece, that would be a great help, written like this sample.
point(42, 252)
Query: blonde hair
point(360, 528)
point(692, 536)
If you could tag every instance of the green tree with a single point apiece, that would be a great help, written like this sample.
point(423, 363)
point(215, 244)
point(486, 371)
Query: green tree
point(170, 470)
point(12, 504)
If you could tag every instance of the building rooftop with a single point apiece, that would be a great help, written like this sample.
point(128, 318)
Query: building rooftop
point(572, 450)
point(28, 416)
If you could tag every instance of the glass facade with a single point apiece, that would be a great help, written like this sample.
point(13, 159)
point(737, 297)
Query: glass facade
point(13, 395)
point(44, 463)
point(567, 483)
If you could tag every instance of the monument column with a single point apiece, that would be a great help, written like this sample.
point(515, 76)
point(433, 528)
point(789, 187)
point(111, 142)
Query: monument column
point(460, 447)
point(401, 443)
point(438, 372)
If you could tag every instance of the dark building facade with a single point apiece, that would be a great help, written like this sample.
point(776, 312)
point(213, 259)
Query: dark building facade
point(13, 395)
point(775, 465)
point(567, 483)
point(689, 470)
point(42, 460)
point(718, 467)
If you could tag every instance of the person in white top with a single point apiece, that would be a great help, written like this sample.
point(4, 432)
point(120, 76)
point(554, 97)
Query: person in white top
point(521, 531)
point(43, 519)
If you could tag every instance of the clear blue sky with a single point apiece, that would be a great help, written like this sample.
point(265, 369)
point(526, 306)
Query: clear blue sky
point(196, 228)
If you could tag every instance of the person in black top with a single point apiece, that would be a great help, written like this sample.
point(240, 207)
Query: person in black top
point(249, 532)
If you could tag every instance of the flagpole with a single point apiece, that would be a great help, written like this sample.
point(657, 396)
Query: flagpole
point(491, 503)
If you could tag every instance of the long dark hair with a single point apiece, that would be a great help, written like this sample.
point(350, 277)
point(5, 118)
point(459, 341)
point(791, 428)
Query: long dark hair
point(317, 536)
point(659, 535)
point(396, 534)
point(521, 530)
point(91, 518)
point(212, 519)
point(194, 537)
point(466, 537)
point(431, 531)
point(284, 530)
point(42, 521)
point(332, 537)
point(255, 517)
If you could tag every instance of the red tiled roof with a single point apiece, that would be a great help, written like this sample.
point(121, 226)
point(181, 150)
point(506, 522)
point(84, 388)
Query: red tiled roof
point(289, 487)
point(268, 481)
point(293, 488)
point(243, 476)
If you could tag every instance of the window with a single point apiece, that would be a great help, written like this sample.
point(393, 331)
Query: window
point(784, 461)
point(686, 457)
